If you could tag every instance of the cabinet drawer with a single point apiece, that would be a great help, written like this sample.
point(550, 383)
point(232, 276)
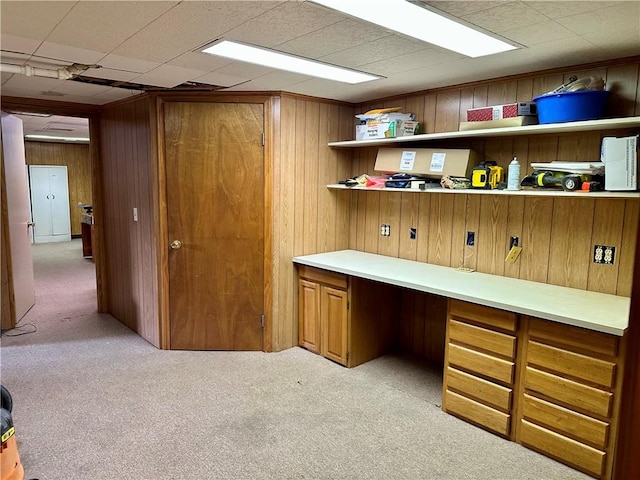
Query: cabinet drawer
point(482, 390)
point(486, 365)
point(582, 457)
point(495, 342)
point(576, 365)
point(587, 429)
point(574, 337)
point(477, 413)
point(481, 314)
point(326, 277)
point(575, 394)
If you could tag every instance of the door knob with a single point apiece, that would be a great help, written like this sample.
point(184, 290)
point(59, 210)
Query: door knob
point(176, 244)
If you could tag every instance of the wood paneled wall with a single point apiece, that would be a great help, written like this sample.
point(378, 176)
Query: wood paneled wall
point(307, 218)
point(78, 162)
point(557, 235)
point(129, 247)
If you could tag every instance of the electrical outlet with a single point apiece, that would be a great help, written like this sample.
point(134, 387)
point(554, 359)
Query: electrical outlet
point(604, 254)
point(385, 230)
point(514, 242)
point(471, 239)
point(413, 232)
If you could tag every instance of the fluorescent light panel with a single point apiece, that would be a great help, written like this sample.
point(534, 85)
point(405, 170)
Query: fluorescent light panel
point(420, 23)
point(283, 61)
point(51, 137)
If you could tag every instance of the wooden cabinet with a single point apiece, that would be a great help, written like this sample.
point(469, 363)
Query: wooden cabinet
point(323, 313)
point(480, 366)
point(571, 379)
point(346, 319)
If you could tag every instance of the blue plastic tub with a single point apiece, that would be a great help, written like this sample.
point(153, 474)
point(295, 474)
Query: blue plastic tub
point(571, 106)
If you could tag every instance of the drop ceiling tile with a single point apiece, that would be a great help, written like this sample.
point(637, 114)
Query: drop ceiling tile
point(69, 54)
point(104, 25)
point(12, 43)
point(221, 80)
point(461, 8)
point(624, 17)
point(334, 38)
point(538, 33)
point(71, 87)
point(248, 71)
point(375, 51)
point(32, 19)
point(4, 77)
point(507, 16)
point(284, 23)
point(115, 94)
point(39, 84)
point(200, 61)
point(559, 9)
point(191, 24)
point(410, 61)
point(274, 81)
point(168, 76)
point(117, 62)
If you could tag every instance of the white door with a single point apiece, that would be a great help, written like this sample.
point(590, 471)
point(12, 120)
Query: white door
point(50, 203)
point(15, 178)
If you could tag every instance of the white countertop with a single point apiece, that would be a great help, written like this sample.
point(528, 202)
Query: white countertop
point(596, 311)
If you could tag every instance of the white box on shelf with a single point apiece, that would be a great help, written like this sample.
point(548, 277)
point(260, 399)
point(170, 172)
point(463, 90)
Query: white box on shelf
point(620, 157)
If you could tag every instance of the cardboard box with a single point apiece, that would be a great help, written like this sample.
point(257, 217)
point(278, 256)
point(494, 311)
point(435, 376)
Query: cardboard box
point(497, 112)
point(620, 157)
point(504, 122)
point(427, 162)
point(393, 129)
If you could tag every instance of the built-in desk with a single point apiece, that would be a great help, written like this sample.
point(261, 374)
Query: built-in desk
point(535, 363)
point(594, 311)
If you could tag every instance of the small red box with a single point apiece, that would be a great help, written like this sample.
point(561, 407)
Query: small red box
point(495, 112)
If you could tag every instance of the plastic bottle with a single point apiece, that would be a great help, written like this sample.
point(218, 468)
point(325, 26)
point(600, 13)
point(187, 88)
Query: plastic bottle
point(513, 175)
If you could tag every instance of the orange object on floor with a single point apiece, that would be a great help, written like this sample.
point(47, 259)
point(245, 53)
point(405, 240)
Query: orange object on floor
point(10, 466)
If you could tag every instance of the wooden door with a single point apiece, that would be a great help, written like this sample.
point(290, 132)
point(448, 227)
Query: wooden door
point(19, 261)
point(215, 209)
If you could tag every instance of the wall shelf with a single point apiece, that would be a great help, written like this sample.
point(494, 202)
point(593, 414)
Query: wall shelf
point(550, 128)
point(528, 193)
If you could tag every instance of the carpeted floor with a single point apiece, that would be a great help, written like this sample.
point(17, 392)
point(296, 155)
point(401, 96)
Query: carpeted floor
point(93, 401)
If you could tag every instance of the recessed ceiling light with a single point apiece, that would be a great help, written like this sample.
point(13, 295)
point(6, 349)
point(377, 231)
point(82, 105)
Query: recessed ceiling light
point(284, 61)
point(417, 22)
point(54, 138)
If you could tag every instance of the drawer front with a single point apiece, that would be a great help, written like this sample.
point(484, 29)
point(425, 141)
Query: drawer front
point(481, 390)
point(576, 365)
point(576, 454)
point(495, 342)
point(587, 429)
point(333, 279)
point(569, 392)
point(477, 413)
point(481, 314)
point(574, 337)
point(486, 365)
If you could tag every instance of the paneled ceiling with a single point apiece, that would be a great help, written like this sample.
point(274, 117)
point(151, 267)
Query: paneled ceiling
point(156, 44)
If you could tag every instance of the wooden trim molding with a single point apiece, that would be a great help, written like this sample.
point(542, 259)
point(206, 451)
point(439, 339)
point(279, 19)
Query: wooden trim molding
point(627, 460)
point(34, 105)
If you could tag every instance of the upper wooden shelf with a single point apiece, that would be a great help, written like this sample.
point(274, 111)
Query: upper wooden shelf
point(585, 126)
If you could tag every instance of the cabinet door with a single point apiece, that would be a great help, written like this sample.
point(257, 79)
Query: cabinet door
point(309, 315)
point(333, 306)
